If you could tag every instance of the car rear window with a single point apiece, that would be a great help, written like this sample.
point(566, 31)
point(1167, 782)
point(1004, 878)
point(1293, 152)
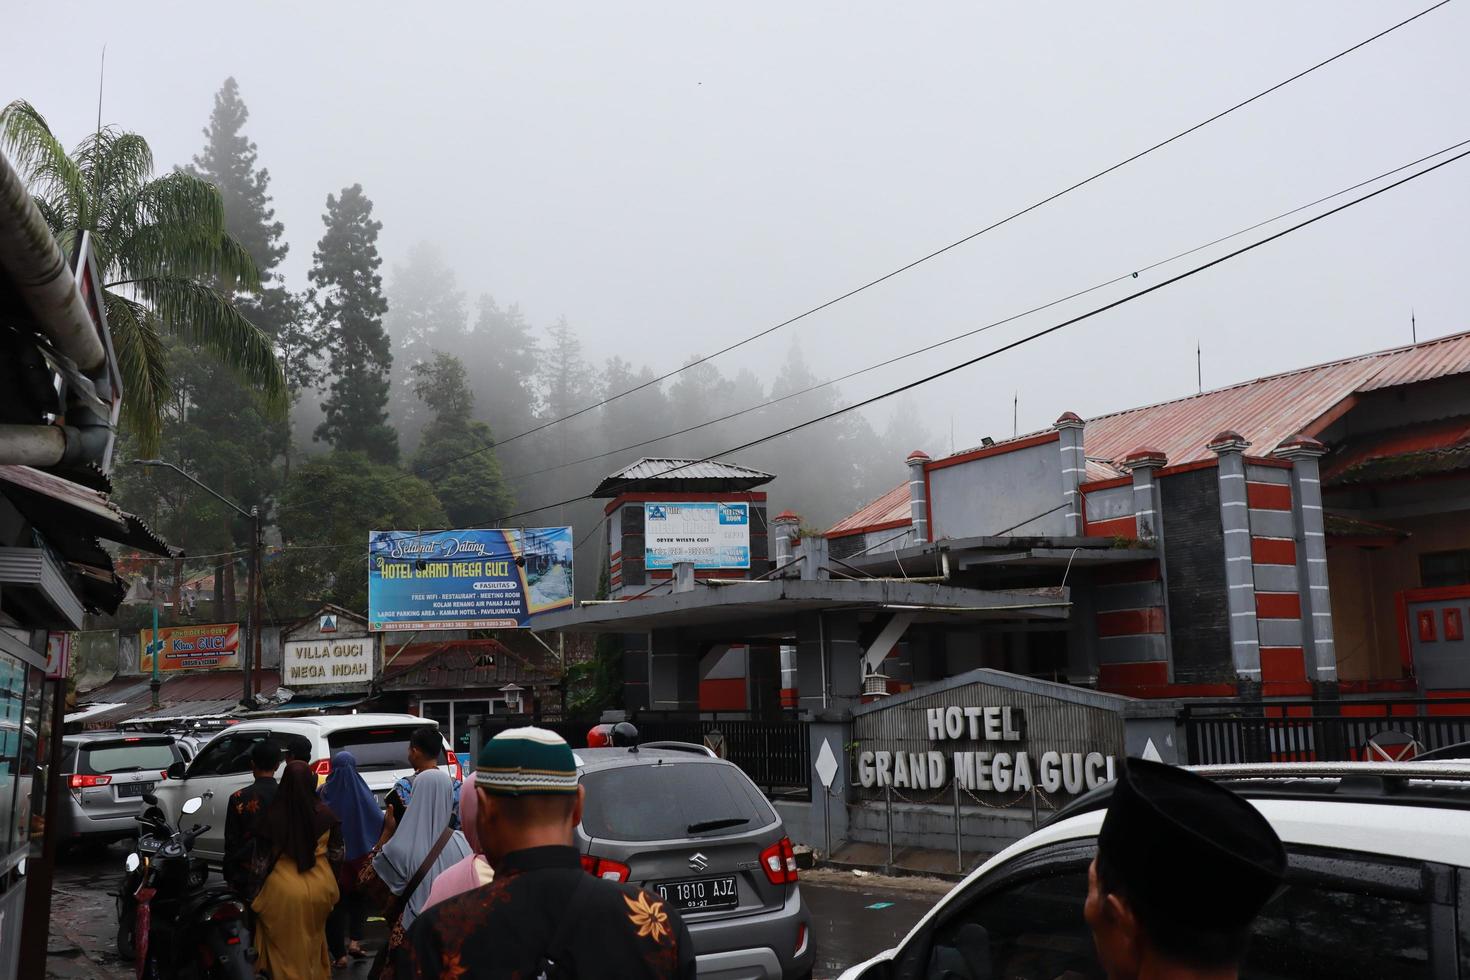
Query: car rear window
point(126, 755)
point(375, 749)
point(662, 802)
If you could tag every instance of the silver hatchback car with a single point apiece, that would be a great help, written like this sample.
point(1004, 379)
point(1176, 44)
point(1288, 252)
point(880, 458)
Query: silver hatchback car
point(107, 774)
point(677, 821)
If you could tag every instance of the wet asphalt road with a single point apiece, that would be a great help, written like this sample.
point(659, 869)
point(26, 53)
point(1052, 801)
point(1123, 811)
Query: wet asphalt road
point(846, 928)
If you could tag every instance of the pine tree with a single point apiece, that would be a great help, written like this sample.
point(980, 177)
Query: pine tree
point(228, 162)
point(457, 454)
point(350, 309)
point(504, 363)
point(426, 314)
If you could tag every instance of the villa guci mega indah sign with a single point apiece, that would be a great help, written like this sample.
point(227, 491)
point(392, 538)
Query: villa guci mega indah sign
point(1002, 734)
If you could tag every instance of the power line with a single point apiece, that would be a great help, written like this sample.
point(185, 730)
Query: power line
point(939, 251)
point(1033, 336)
point(1133, 274)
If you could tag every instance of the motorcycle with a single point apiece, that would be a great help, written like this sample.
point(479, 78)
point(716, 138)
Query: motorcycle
point(169, 922)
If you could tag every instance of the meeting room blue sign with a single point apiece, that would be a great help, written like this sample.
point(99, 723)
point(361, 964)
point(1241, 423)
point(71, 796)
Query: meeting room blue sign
point(471, 579)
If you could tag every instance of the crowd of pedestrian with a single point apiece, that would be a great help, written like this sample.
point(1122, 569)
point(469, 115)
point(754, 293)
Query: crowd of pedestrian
point(483, 880)
point(314, 861)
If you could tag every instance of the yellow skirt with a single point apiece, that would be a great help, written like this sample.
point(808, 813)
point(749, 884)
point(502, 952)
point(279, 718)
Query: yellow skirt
point(291, 919)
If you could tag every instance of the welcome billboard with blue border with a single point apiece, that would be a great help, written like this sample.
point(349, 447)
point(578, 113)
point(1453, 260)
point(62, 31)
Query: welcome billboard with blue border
point(472, 579)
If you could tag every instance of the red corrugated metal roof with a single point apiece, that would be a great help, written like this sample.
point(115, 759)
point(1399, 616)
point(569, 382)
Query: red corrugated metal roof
point(1269, 410)
point(892, 507)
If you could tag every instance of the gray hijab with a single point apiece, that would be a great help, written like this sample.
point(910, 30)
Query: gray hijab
point(428, 813)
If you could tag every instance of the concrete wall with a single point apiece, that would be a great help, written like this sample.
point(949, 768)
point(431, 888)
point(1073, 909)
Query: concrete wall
point(932, 827)
point(988, 495)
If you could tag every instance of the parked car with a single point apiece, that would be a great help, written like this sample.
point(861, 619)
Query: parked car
point(1378, 883)
point(378, 741)
point(672, 818)
point(107, 774)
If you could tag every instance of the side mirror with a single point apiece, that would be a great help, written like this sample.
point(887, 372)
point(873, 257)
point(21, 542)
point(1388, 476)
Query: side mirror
point(133, 862)
point(176, 771)
point(192, 805)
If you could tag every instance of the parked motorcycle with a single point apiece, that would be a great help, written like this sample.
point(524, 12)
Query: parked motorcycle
point(168, 921)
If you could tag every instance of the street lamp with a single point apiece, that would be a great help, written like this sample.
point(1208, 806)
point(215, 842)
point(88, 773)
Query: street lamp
point(252, 612)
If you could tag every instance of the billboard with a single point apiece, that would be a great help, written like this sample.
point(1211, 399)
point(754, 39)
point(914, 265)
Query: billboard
point(332, 660)
point(473, 579)
point(709, 534)
point(215, 646)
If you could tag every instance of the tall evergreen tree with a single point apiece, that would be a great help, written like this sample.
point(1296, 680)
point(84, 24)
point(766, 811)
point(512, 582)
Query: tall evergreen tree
point(457, 454)
point(426, 313)
point(350, 308)
point(228, 162)
point(503, 358)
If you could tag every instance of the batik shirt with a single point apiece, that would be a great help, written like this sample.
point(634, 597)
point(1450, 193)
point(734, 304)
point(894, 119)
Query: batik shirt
point(242, 822)
point(506, 928)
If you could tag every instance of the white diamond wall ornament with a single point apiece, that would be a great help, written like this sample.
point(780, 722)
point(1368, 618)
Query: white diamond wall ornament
point(826, 764)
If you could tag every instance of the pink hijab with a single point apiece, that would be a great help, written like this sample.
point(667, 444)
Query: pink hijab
point(473, 871)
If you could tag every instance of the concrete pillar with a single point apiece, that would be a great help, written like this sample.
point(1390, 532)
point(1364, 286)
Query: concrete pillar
point(814, 561)
point(1240, 586)
point(918, 495)
point(1074, 470)
point(1311, 556)
point(783, 537)
point(828, 663)
point(673, 674)
point(1141, 465)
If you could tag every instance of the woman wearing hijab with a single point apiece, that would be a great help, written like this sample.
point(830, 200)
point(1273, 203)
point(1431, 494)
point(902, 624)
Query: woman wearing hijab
point(386, 877)
point(299, 850)
point(349, 798)
point(474, 870)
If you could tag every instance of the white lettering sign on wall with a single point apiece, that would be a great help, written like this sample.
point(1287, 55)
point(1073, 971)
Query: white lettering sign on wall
point(1008, 768)
point(327, 661)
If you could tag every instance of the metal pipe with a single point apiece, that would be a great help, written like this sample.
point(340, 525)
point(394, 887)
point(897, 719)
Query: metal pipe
point(35, 263)
point(888, 797)
point(959, 858)
point(32, 445)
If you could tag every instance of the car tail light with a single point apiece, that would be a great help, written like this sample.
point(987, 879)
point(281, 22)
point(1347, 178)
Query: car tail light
point(163, 774)
point(322, 767)
point(603, 868)
point(779, 862)
point(455, 772)
point(227, 912)
point(78, 781)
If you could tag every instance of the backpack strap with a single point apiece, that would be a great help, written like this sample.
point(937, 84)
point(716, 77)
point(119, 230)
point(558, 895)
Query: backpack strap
point(555, 963)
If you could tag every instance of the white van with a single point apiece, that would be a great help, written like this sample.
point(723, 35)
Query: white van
point(379, 742)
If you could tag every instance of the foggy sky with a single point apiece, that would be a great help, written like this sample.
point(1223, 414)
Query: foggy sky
point(675, 176)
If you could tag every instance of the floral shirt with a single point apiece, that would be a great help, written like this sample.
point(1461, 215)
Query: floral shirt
point(508, 927)
point(243, 812)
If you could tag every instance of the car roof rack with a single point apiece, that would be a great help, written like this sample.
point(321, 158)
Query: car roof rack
point(693, 748)
point(1429, 783)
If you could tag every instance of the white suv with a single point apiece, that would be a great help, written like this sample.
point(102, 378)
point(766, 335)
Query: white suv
point(1378, 884)
point(379, 742)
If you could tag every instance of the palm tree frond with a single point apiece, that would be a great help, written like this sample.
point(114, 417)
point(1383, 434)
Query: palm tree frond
point(38, 155)
point(143, 363)
point(206, 317)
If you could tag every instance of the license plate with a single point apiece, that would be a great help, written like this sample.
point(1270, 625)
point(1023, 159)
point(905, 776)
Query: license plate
point(701, 893)
point(134, 789)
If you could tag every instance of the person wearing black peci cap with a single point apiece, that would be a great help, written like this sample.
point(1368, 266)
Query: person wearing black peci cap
point(1183, 866)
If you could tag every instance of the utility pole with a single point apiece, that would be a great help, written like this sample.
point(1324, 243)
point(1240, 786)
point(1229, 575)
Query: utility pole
point(1199, 369)
point(257, 591)
point(1413, 326)
point(252, 606)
